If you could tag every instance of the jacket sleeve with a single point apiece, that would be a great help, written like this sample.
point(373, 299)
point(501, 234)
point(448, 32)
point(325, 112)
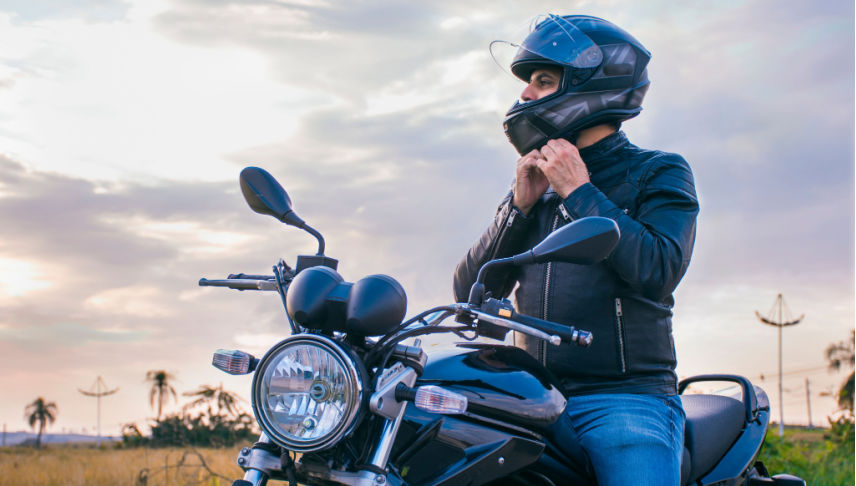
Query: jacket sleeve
point(654, 250)
point(502, 238)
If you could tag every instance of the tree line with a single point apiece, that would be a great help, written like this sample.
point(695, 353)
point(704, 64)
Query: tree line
point(213, 417)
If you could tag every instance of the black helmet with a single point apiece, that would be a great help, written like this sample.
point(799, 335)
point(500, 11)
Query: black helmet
point(604, 79)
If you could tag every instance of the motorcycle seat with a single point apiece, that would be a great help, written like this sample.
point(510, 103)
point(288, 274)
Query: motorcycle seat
point(713, 423)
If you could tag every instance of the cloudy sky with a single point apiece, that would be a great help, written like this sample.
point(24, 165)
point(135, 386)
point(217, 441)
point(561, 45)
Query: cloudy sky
point(124, 125)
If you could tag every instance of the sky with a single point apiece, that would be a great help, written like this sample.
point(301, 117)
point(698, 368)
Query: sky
point(124, 126)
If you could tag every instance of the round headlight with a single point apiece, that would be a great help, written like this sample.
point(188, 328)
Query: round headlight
point(307, 392)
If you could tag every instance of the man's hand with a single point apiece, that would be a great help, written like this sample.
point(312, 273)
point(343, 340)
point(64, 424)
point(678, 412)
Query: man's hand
point(530, 183)
point(561, 164)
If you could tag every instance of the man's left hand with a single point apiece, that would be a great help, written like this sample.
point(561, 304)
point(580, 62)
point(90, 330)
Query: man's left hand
point(563, 166)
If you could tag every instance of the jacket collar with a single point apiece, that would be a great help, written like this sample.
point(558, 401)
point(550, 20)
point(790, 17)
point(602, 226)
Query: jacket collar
point(596, 157)
point(603, 147)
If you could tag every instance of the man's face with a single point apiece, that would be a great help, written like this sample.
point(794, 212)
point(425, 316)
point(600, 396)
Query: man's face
point(542, 82)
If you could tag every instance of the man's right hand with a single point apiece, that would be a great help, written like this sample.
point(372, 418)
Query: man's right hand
point(530, 183)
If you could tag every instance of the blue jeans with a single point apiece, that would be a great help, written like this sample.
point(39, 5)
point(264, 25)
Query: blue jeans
point(625, 438)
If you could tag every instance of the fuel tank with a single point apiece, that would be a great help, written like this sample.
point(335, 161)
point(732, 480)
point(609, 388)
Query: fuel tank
point(511, 400)
point(500, 382)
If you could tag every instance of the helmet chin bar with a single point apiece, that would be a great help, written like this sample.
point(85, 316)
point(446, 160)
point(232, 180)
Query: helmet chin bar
point(564, 115)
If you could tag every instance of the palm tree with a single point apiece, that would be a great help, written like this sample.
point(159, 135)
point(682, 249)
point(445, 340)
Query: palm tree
point(41, 413)
point(161, 388)
point(223, 399)
point(839, 355)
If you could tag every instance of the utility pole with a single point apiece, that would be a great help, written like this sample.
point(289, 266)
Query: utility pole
point(98, 390)
point(808, 402)
point(780, 323)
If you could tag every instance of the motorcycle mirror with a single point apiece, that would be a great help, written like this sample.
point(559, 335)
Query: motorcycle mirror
point(266, 196)
point(584, 241)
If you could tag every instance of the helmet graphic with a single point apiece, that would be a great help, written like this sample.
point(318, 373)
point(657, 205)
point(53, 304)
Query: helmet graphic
point(604, 79)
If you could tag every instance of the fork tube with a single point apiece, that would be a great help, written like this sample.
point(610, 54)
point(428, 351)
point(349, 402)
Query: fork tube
point(254, 476)
point(387, 439)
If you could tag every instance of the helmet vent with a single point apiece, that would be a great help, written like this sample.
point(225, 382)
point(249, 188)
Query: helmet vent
point(618, 69)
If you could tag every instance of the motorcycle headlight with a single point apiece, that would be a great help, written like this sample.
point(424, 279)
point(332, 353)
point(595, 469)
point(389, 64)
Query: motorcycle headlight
point(307, 392)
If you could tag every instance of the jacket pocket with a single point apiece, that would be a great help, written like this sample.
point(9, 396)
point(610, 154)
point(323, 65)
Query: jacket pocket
point(648, 343)
point(603, 358)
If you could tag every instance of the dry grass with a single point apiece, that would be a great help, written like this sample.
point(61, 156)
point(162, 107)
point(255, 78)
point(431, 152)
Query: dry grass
point(87, 466)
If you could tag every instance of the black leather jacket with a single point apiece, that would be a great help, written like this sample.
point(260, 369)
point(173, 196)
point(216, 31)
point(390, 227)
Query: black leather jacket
point(626, 300)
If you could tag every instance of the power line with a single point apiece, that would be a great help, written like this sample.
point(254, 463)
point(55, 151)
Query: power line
point(793, 372)
point(99, 389)
point(779, 324)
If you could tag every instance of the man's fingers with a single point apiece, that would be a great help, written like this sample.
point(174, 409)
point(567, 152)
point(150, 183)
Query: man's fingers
point(548, 151)
point(528, 161)
point(560, 143)
point(558, 148)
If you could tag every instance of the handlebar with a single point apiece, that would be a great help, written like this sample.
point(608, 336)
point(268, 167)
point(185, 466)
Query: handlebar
point(514, 326)
point(568, 333)
point(242, 283)
point(233, 276)
point(497, 312)
point(502, 313)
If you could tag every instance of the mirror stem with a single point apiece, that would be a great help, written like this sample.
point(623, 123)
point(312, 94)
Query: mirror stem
point(317, 236)
point(483, 269)
point(477, 290)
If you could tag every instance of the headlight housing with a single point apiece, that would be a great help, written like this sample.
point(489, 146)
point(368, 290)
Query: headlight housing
point(308, 392)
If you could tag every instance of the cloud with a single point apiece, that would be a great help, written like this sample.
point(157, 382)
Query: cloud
point(89, 10)
point(121, 250)
point(62, 333)
point(373, 45)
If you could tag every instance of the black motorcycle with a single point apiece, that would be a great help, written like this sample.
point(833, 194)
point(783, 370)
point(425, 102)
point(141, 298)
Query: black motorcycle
point(344, 400)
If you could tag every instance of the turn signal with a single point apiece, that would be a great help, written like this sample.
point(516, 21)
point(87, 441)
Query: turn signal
point(234, 362)
point(439, 400)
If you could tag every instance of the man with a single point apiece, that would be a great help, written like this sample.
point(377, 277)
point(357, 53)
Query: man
point(584, 77)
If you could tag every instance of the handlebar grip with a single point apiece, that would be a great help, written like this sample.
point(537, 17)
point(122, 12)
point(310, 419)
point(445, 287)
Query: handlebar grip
point(568, 334)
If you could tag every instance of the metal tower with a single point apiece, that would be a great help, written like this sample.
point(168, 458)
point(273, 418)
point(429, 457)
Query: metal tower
point(98, 390)
point(779, 304)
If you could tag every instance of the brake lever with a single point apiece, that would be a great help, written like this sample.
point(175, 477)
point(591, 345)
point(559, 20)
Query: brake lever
point(514, 326)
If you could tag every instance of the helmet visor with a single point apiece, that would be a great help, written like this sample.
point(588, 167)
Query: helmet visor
point(549, 38)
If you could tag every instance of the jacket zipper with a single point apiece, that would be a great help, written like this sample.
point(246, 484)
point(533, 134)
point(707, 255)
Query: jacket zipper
point(506, 223)
point(618, 319)
point(511, 214)
point(542, 346)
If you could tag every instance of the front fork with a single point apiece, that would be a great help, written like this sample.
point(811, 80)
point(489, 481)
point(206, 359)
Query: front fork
point(260, 463)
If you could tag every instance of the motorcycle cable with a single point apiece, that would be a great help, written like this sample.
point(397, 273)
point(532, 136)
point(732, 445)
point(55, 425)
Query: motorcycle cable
point(457, 330)
point(386, 345)
point(280, 288)
point(380, 346)
point(287, 465)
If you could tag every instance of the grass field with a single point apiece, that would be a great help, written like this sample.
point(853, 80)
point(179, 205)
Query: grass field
point(820, 456)
point(70, 465)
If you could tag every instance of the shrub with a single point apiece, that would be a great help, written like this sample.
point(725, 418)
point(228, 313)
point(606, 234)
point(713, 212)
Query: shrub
point(202, 430)
point(823, 457)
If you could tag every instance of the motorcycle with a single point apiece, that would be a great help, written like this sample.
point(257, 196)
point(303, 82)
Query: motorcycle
point(345, 401)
